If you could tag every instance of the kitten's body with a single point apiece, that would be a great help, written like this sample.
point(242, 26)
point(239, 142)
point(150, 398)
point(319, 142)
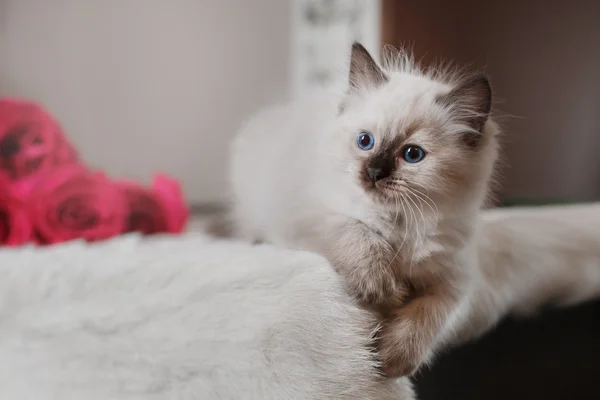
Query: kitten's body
point(298, 181)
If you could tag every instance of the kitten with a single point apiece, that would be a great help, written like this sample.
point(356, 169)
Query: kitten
point(386, 182)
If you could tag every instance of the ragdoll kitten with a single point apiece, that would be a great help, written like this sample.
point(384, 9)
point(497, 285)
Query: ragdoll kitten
point(386, 182)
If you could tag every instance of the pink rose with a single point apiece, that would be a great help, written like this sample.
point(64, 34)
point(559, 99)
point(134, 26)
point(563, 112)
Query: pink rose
point(170, 191)
point(15, 227)
point(32, 145)
point(161, 208)
point(73, 203)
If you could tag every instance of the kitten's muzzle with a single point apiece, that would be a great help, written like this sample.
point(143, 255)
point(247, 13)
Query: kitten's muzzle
point(380, 168)
point(377, 174)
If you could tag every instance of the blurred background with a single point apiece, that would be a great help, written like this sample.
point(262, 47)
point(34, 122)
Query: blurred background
point(147, 85)
point(141, 85)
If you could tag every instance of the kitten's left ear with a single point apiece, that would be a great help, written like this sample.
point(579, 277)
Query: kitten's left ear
point(471, 100)
point(364, 72)
point(364, 69)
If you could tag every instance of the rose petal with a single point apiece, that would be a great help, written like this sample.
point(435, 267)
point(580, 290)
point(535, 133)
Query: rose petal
point(32, 145)
point(177, 209)
point(74, 203)
point(146, 212)
point(15, 226)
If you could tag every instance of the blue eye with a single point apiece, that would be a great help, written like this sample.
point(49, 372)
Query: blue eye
point(413, 154)
point(365, 141)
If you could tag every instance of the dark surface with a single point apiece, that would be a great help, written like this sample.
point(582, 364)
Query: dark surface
point(553, 356)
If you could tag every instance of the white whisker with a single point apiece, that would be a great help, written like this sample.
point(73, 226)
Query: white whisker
point(397, 209)
point(405, 229)
point(414, 244)
point(421, 202)
point(427, 200)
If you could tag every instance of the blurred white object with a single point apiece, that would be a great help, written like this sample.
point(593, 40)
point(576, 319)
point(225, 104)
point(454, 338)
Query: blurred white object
point(182, 318)
point(322, 33)
point(190, 318)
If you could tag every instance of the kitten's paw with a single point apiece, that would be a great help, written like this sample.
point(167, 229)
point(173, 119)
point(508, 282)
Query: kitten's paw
point(368, 264)
point(372, 289)
point(402, 350)
point(373, 286)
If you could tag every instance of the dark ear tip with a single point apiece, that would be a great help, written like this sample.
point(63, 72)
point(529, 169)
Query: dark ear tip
point(357, 46)
point(484, 80)
point(479, 79)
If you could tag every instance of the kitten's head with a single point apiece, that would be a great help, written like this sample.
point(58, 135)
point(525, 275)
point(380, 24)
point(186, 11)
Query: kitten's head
point(410, 133)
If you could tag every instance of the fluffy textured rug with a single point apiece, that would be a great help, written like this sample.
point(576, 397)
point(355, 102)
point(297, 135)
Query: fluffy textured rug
point(192, 318)
point(181, 318)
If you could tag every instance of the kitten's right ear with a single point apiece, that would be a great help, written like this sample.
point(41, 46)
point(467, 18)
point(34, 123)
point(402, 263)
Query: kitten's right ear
point(471, 99)
point(364, 70)
point(471, 102)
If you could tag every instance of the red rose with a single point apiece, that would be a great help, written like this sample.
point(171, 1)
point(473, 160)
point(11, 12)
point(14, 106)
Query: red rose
point(160, 208)
point(73, 203)
point(15, 227)
point(32, 145)
point(170, 191)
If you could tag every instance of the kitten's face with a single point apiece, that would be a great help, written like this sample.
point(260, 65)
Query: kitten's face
point(409, 138)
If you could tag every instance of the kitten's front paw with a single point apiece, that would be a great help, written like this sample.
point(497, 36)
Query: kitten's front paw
point(376, 289)
point(401, 349)
point(374, 282)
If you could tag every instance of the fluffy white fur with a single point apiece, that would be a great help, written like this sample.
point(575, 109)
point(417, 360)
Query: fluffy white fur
point(181, 318)
point(189, 318)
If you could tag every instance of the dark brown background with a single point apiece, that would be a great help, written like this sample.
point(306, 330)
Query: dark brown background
point(544, 61)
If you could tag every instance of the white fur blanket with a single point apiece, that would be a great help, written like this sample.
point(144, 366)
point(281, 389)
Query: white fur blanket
point(192, 318)
point(181, 318)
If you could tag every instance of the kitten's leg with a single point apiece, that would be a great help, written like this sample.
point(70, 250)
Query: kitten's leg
point(363, 257)
point(412, 331)
point(528, 258)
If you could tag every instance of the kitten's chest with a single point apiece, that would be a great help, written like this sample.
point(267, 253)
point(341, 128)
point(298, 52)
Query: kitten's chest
point(413, 240)
point(394, 228)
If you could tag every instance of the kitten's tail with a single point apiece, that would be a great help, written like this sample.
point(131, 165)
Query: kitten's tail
point(532, 257)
